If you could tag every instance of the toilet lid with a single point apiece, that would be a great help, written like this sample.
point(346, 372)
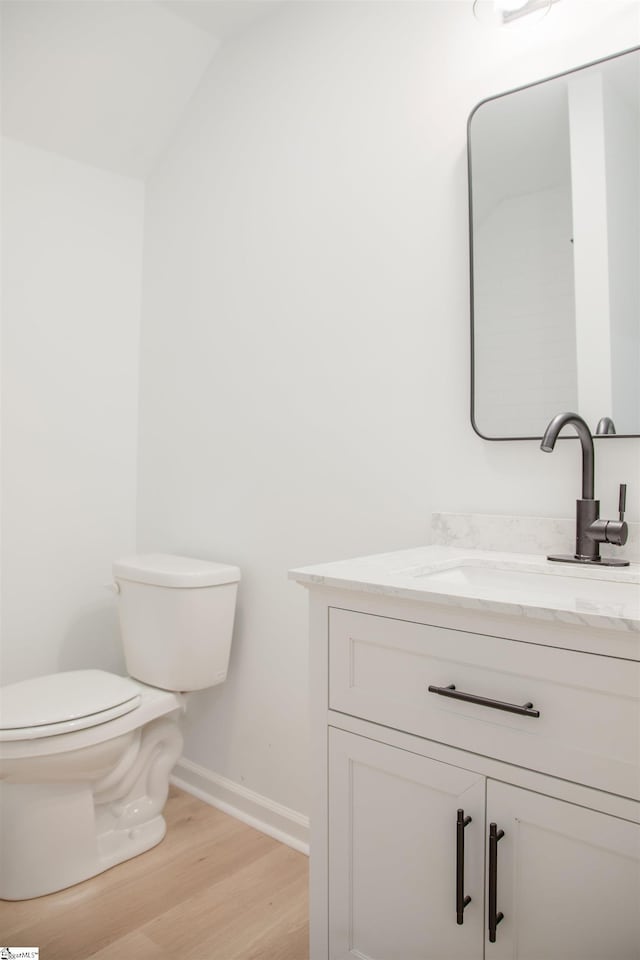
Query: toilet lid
point(60, 702)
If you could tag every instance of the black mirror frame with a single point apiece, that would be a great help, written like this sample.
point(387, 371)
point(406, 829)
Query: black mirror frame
point(499, 96)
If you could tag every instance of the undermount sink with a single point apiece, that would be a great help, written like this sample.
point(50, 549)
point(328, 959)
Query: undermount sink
point(526, 586)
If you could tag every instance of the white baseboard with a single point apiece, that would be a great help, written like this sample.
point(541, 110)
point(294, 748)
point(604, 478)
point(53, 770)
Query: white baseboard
point(266, 815)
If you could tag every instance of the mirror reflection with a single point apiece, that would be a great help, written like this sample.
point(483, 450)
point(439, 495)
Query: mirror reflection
point(554, 179)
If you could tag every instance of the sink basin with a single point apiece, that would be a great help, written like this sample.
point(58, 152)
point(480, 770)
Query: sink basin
point(526, 586)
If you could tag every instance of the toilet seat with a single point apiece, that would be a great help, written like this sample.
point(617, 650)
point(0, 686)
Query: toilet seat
point(64, 702)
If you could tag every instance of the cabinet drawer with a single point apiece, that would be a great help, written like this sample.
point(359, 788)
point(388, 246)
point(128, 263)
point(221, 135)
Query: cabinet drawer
point(588, 728)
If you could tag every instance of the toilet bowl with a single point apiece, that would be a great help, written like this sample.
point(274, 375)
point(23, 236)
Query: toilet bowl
point(85, 756)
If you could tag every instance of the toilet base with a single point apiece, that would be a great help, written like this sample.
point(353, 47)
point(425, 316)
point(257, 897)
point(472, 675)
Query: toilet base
point(55, 845)
point(54, 835)
point(120, 845)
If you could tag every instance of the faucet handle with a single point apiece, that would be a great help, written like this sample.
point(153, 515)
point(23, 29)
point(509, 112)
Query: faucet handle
point(617, 531)
point(622, 502)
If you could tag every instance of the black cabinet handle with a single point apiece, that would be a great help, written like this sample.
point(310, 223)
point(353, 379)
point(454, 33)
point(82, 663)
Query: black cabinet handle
point(494, 916)
point(524, 710)
point(461, 900)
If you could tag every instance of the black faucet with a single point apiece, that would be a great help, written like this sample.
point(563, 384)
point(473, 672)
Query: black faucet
point(606, 427)
point(591, 531)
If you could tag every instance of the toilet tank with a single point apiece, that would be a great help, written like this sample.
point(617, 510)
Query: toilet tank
point(176, 618)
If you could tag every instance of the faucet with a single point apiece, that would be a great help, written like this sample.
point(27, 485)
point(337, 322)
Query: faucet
point(606, 427)
point(591, 531)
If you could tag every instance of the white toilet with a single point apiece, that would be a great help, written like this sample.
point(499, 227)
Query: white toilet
point(85, 756)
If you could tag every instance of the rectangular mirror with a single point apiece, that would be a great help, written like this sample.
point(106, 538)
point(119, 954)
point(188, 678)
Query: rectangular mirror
point(554, 209)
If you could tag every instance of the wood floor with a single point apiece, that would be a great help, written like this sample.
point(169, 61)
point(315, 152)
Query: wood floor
point(214, 889)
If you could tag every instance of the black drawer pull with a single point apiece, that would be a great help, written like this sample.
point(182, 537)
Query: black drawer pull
point(526, 710)
point(461, 900)
point(494, 916)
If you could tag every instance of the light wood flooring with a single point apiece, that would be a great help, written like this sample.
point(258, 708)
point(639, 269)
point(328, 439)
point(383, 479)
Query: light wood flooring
point(214, 889)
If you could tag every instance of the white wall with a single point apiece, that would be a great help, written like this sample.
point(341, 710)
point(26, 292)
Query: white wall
point(72, 262)
point(305, 346)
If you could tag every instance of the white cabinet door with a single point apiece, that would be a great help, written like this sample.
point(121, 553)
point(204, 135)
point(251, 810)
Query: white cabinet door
point(392, 854)
point(568, 880)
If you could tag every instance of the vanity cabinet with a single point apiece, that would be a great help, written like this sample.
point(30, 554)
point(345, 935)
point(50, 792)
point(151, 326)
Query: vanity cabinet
point(544, 744)
point(565, 877)
point(568, 879)
point(584, 724)
point(392, 854)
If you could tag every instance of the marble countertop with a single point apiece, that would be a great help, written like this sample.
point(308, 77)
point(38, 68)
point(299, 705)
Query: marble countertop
point(488, 580)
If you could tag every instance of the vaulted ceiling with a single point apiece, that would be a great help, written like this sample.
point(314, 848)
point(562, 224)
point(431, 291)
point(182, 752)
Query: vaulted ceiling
point(106, 81)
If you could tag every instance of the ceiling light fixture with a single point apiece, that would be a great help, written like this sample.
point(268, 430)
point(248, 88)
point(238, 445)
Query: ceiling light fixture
point(510, 6)
point(502, 12)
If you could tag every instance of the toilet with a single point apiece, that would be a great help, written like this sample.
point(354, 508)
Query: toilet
point(85, 755)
